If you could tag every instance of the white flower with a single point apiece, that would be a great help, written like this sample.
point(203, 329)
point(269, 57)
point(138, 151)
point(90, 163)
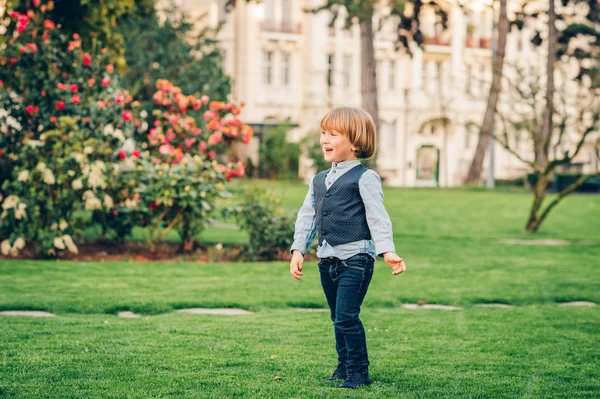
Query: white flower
point(19, 244)
point(108, 130)
point(41, 167)
point(53, 227)
point(58, 243)
point(131, 203)
point(63, 224)
point(49, 177)
point(118, 134)
point(96, 177)
point(10, 202)
point(129, 145)
point(108, 202)
point(23, 175)
point(77, 184)
point(5, 247)
point(144, 113)
point(35, 143)
point(86, 170)
point(70, 244)
point(71, 173)
point(20, 211)
point(88, 150)
point(79, 158)
point(93, 204)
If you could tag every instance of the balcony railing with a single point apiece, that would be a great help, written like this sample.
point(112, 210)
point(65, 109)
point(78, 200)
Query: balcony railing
point(281, 26)
point(481, 43)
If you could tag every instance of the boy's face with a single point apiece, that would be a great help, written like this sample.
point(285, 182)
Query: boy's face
point(336, 147)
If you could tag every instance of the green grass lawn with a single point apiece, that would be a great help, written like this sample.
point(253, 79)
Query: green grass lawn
point(449, 239)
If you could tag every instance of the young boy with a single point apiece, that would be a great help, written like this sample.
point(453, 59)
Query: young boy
point(344, 205)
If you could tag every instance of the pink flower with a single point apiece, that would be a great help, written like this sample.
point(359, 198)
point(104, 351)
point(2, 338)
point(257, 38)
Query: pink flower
point(76, 36)
point(166, 149)
point(23, 50)
point(189, 142)
point(204, 99)
point(74, 88)
point(60, 105)
point(32, 109)
point(14, 14)
point(87, 60)
point(208, 115)
point(53, 119)
point(46, 36)
point(21, 28)
point(110, 68)
point(75, 99)
point(127, 116)
point(122, 154)
point(61, 86)
point(136, 153)
point(202, 146)
point(36, 2)
point(49, 25)
point(105, 81)
point(91, 82)
point(212, 155)
point(119, 98)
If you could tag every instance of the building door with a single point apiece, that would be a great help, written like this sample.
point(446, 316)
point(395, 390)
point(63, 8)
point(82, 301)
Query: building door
point(428, 166)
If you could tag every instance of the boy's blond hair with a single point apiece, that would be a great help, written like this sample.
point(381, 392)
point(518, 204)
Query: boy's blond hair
point(356, 124)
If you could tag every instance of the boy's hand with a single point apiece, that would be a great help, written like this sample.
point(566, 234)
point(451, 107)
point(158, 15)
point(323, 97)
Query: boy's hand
point(395, 262)
point(296, 264)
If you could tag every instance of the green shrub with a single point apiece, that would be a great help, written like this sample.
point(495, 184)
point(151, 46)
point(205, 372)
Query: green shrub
point(278, 158)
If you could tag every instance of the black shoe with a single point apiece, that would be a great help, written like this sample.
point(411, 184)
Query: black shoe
point(339, 373)
point(356, 379)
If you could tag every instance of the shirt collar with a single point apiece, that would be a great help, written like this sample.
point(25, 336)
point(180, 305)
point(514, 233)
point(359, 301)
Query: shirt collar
point(345, 164)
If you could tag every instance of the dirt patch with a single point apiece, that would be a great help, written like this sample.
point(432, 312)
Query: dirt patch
point(535, 242)
point(493, 305)
point(225, 311)
point(31, 313)
point(577, 303)
point(312, 309)
point(429, 306)
point(129, 315)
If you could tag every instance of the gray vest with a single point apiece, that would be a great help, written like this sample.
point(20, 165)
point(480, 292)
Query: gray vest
point(340, 211)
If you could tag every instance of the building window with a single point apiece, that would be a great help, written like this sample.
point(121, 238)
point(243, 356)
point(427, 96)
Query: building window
point(439, 66)
point(286, 9)
point(285, 68)
point(483, 78)
point(387, 140)
point(330, 66)
point(392, 75)
point(267, 67)
point(469, 78)
point(347, 71)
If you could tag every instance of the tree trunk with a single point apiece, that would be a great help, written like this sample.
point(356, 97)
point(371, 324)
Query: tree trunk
point(474, 174)
point(543, 143)
point(368, 81)
point(539, 192)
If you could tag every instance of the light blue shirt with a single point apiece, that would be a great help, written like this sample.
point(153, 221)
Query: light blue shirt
point(378, 219)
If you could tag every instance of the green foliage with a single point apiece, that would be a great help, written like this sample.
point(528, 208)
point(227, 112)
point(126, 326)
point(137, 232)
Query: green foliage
point(270, 229)
point(311, 148)
point(278, 158)
point(96, 22)
point(172, 50)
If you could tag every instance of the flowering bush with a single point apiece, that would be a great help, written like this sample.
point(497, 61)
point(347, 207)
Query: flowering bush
point(178, 173)
point(55, 155)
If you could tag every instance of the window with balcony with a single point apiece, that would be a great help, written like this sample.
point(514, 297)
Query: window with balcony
point(330, 70)
point(285, 68)
point(347, 71)
point(392, 75)
point(267, 72)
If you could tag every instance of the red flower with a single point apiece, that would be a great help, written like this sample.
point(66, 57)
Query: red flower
point(53, 119)
point(110, 68)
point(23, 50)
point(49, 25)
point(91, 82)
point(104, 51)
point(75, 99)
point(212, 155)
point(76, 36)
point(119, 98)
point(153, 205)
point(105, 82)
point(87, 60)
point(32, 47)
point(61, 86)
point(74, 88)
point(122, 154)
point(21, 28)
point(36, 2)
point(60, 105)
point(127, 115)
point(32, 109)
point(1, 83)
point(1, 153)
point(45, 36)
point(136, 153)
point(14, 14)
point(30, 14)
point(13, 61)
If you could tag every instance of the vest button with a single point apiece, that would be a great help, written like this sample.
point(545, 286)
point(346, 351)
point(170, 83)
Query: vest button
point(325, 213)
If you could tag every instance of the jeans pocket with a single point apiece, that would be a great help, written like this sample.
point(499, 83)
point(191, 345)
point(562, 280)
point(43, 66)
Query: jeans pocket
point(360, 262)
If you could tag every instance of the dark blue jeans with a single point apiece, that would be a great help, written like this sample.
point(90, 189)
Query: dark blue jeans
point(345, 283)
